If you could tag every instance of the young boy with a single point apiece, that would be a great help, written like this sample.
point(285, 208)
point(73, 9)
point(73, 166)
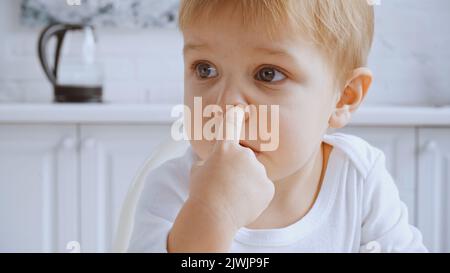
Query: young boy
point(314, 192)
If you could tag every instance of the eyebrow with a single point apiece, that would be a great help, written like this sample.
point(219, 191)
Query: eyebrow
point(267, 50)
point(194, 47)
point(273, 51)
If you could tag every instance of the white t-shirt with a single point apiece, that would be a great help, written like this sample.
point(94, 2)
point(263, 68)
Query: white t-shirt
point(358, 208)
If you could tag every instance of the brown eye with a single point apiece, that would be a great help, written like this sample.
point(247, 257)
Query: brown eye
point(269, 74)
point(205, 71)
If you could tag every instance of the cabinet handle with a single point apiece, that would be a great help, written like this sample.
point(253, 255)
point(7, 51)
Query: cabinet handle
point(89, 143)
point(68, 143)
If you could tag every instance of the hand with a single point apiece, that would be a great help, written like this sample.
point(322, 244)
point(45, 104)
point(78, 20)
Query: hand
point(231, 183)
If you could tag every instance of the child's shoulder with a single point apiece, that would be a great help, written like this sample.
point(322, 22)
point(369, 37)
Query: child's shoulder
point(363, 156)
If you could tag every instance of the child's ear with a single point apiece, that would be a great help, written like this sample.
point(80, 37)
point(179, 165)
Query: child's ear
point(351, 97)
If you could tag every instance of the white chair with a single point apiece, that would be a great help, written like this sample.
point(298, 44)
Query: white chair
point(169, 150)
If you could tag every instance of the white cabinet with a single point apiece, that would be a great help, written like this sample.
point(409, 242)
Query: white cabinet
point(433, 190)
point(38, 187)
point(62, 183)
point(110, 157)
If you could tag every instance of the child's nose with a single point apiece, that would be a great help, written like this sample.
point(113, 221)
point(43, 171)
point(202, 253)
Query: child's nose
point(232, 100)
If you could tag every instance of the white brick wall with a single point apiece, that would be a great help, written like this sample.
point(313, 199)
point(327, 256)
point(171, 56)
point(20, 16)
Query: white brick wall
point(134, 66)
point(140, 66)
point(411, 53)
point(410, 58)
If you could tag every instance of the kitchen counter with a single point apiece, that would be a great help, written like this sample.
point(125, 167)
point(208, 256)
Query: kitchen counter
point(161, 114)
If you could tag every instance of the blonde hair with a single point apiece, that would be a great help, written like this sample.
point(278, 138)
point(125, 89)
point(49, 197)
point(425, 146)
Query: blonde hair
point(342, 28)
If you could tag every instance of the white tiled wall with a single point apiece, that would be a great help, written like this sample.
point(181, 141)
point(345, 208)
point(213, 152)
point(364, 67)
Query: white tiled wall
point(410, 58)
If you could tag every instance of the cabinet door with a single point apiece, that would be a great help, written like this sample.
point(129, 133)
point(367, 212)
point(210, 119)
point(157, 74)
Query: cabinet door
point(110, 157)
point(434, 188)
point(38, 188)
point(398, 145)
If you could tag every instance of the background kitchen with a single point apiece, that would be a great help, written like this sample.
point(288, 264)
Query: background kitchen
point(65, 168)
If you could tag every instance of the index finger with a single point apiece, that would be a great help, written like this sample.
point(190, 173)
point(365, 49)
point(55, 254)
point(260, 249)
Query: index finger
point(234, 122)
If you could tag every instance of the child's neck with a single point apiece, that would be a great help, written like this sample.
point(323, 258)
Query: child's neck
point(295, 195)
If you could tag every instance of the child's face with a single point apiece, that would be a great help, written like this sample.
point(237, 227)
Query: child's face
point(227, 64)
